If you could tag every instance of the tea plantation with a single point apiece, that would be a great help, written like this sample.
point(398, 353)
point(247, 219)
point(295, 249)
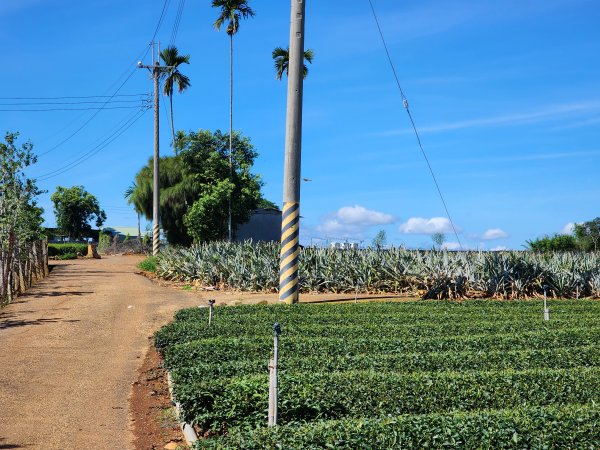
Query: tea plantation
point(476, 374)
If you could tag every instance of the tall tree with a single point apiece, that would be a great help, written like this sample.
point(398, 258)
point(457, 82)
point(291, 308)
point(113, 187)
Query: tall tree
point(196, 186)
point(588, 234)
point(281, 58)
point(173, 76)
point(74, 209)
point(131, 197)
point(231, 11)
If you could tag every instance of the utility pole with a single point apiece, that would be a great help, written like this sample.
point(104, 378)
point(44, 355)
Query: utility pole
point(156, 69)
point(290, 218)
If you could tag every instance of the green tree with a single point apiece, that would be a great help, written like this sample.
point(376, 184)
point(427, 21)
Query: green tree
point(555, 243)
point(130, 196)
point(379, 240)
point(196, 185)
point(588, 234)
point(74, 209)
point(281, 58)
point(438, 239)
point(20, 217)
point(173, 76)
point(231, 11)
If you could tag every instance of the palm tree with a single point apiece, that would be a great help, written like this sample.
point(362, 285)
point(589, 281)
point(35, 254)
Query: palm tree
point(231, 12)
point(173, 76)
point(131, 195)
point(281, 57)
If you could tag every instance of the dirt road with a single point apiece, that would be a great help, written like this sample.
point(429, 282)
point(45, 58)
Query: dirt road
point(69, 351)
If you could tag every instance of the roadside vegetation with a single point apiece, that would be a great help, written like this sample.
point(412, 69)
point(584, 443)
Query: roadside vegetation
point(426, 274)
point(148, 264)
point(67, 251)
point(477, 374)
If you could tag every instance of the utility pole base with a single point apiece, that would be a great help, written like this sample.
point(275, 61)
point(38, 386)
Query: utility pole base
point(290, 250)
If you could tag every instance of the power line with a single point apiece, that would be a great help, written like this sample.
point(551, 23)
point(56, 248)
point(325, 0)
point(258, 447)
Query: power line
point(405, 103)
point(145, 94)
point(177, 22)
point(160, 20)
point(128, 124)
point(72, 103)
point(98, 108)
point(141, 56)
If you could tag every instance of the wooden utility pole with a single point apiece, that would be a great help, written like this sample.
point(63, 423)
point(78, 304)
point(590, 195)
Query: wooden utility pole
point(290, 224)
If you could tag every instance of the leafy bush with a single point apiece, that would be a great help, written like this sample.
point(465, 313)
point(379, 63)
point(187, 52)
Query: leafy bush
point(67, 249)
point(103, 242)
point(391, 375)
point(148, 264)
point(65, 256)
point(537, 428)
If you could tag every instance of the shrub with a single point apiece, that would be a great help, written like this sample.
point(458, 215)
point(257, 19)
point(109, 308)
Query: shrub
point(148, 264)
point(64, 249)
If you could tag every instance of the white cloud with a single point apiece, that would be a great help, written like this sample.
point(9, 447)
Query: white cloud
point(351, 221)
point(420, 225)
point(452, 246)
point(494, 233)
point(499, 248)
point(359, 215)
point(568, 228)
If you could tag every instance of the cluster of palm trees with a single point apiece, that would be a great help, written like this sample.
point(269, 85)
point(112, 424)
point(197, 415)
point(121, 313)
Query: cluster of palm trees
point(231, 12)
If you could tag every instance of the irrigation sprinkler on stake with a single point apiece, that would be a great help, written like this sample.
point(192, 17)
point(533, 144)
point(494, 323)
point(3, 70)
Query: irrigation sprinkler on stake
point(272, 421)
point(546, 309)
point(211, 305)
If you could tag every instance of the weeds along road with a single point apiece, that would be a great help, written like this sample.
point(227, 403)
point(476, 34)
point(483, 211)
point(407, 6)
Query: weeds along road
point(69, 351)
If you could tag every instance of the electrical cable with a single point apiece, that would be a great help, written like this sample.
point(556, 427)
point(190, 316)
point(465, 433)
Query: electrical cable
point(111, 133)
point(177, 22)
point(74, 97)
point(98, 108)
point(160, 20)
point(141, 56)
point(405, 103)
point(93, 152)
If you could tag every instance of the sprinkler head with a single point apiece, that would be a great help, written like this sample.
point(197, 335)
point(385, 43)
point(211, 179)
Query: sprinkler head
point(277, 329)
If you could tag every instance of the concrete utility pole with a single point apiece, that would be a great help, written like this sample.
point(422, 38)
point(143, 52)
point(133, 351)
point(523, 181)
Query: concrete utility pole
point(156, 69)
point(290, 223)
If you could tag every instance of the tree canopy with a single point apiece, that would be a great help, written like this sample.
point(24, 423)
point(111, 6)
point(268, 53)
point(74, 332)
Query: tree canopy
point(585, 237)
point(74, 209)
point(20, 216)
point(195, 185)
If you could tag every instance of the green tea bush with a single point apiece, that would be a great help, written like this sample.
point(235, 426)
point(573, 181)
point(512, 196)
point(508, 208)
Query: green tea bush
point(477, 374)
point(539, 428)
point(67, 249)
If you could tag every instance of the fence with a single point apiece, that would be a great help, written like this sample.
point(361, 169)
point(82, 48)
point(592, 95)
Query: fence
point(21, 264)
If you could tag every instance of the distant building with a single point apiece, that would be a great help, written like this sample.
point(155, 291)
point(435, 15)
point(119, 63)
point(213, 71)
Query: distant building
point(264, 226)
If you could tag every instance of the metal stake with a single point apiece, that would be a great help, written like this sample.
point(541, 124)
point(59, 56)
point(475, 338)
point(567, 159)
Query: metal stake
point(273, 381)
point(546, 309)
point(211, 305)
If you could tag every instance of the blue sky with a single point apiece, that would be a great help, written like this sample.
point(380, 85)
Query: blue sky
point(506, 96)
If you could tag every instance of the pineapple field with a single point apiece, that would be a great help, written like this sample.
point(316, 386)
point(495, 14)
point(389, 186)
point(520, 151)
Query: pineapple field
point(421, 374)
point(425, 274)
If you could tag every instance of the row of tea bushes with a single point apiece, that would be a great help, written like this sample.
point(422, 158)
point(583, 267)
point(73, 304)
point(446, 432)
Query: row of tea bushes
point(480, 374)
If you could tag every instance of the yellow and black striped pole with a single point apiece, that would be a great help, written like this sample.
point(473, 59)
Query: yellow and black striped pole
point(290, 219)
point(288, 268)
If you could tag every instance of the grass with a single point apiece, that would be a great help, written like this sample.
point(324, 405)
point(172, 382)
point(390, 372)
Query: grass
point(148, 264)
